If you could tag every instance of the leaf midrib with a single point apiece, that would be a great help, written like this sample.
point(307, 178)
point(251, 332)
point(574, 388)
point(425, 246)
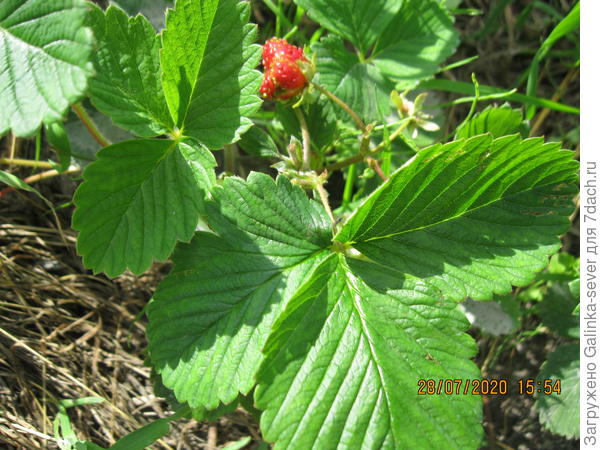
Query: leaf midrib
point(183, 119)
point(461, 214)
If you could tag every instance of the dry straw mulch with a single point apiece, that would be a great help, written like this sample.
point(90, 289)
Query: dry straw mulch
point(66, 333)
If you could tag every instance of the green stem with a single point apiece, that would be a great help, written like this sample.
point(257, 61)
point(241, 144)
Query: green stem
point(38, 145)
point(89, 124)
point(229, 157)
point(343, 105)
point(278, 20)
point(324, 199)
point(26, 163)
point(359, 157)
point(393, 136)
point(374, 164)
point(349, 186)
point(305, 139)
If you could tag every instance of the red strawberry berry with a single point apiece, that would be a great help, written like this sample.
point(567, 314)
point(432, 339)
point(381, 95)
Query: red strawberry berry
point(276, 47)
point(286, 70)
point(288, 76)
point(267, 88)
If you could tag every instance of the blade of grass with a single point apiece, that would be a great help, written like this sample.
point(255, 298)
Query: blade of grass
point(460, 87)
point(569, 24)
point(460, 63)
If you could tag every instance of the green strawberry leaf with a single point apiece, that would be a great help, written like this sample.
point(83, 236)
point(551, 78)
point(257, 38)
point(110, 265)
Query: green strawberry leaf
point(358, 21)
point(343, 363)
point(471, 217)
point(226, 288)
point(138, 199)
point(498, 122)
point(560, 412)
point(418, 38)
point(127, 85)
point(208, 77)
point(45, 50)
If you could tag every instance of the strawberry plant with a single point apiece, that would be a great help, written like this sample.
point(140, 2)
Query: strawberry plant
point(322, 320)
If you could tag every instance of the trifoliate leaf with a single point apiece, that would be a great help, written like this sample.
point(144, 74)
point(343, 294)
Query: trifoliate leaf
point(138, 199)
point(127, 85)
point(226, 289)
point(345, 336)
point(45, 50)
point(498, 122)
point(208, 59)
point(560, 412)
point(471, 217)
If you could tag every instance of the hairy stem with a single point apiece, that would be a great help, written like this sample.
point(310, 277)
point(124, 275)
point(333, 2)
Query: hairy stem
point(89, 124)
point(374, 164)
point(324, 196)
point(305, 139)
point(359, 123)
point(365, 153)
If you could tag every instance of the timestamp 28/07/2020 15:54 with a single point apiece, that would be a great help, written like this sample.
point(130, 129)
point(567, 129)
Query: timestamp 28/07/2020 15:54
point(523, 386)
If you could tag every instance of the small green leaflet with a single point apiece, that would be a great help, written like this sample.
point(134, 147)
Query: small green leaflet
point(258, 142)
point(345, 336)
point(344, 359)
point(498, 122)
point(418, 37)
point(483, 214)
point(209, 95)
point(358, 21)
point(137, 200)
point(127, 85)
point(45, 50)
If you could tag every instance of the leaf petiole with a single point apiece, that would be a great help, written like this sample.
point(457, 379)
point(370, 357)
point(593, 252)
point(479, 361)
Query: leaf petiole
point(89, 124)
